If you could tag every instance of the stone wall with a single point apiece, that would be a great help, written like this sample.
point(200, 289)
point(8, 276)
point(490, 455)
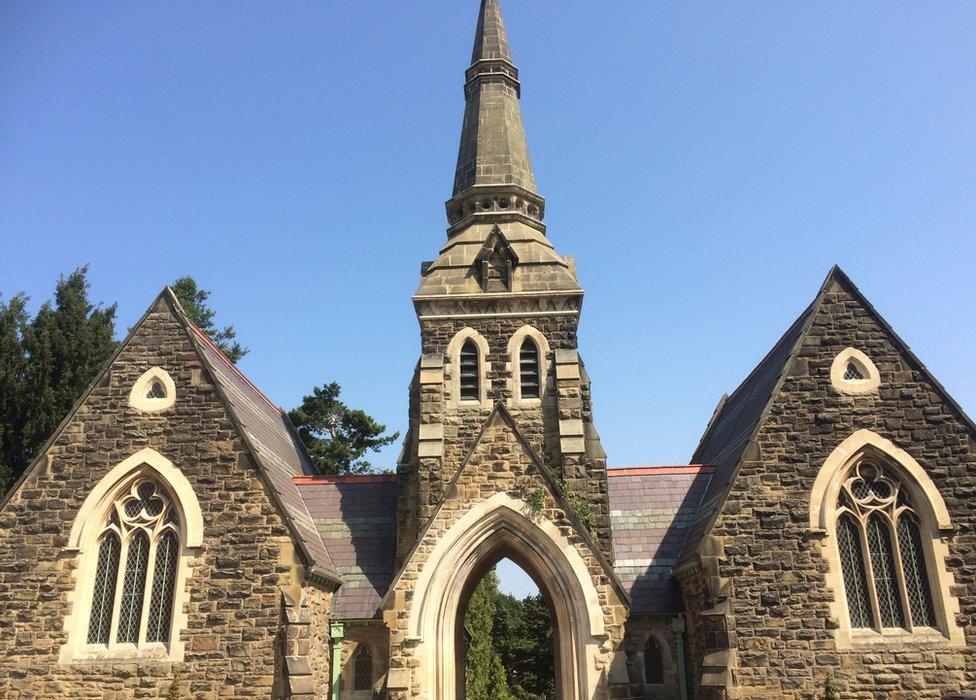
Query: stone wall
point(376, 636)
point(781, 603)
point(566, 402)
point(234, 591)
point(639, 630)
point(499, 465)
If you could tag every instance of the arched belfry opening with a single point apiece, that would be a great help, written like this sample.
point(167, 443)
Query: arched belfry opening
point(506, 635)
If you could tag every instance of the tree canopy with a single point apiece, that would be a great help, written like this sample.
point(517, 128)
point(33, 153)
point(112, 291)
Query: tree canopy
point(337, 437)
point(510, 653)
point(194, 302)
point(46, 362)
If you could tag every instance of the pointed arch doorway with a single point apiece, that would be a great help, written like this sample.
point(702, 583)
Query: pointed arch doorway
point(498, 528)
point(486, 613)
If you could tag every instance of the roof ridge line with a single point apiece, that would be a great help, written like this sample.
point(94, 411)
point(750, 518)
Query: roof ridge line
point(234, 368)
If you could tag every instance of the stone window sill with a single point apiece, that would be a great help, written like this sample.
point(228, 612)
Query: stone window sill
point(925, 637)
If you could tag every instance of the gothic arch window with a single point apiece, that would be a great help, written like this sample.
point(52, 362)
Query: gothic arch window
point(529, 380)
point(469, 373)
point(134, 536)
point(528, 353)
point(653, 662)
point(153, 391)
point(886, 580)
point(852, 372)
point(362, 669)
point(885, 530)
point(467, 380)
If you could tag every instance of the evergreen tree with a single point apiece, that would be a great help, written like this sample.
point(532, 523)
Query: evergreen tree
point(484, 673)
point(13, 381)
point(336, 436)
point(523, 637)
point(45, 364)
point(194, 302)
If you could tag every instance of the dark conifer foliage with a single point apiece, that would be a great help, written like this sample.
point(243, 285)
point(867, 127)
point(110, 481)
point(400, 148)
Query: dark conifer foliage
point(46, 362)
point(194, 303)
point(337, 437)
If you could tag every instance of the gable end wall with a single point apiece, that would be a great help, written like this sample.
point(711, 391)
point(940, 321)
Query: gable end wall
point(784, 634)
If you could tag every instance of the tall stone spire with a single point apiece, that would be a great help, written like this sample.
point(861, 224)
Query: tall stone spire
point(494, 175)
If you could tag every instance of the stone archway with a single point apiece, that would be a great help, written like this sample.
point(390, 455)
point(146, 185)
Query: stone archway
point(504, 551)
point(497, 527)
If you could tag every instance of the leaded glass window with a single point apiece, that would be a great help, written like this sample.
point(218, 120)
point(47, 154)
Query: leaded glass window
point(529, 370)
point(881, 550)
point(653, 663)
point(853, 373)
point(137, 565)
point(470, 379)
point(156, 390)
point(363, 669)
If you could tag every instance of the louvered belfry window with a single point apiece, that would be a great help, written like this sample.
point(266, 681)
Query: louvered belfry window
point(529, 375)
point(470, 372)
point(882, 555)
point(138, 555)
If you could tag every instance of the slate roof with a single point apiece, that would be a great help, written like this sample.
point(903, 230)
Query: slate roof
point(356, 518)
point(732, 428)
point(651, 512)
point(274, 445)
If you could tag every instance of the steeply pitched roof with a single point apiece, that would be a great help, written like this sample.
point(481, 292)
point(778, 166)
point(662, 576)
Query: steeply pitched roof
point(651, 511)
point(274, 446)
point(738, 418)
point(493, 149)
point(356, 517)
point(734, 426)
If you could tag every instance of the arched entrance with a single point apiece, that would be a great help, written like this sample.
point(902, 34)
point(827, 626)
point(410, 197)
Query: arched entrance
point(507, 636)
point(501, 527)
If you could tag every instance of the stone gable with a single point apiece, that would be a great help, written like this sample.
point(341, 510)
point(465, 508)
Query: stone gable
point(500, 463)
point(780, 620)
point(234, 593)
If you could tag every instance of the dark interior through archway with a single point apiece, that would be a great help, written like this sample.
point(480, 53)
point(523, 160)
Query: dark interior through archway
point(508, 637)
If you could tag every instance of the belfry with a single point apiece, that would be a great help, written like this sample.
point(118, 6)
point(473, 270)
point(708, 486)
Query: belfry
point(174, 539)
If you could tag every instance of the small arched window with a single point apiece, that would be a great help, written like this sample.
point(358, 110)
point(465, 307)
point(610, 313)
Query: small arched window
point(882, 556)
point(470, 372)
point(529, 380)
point(653, 663)
point(138, 552)
point(363, 669)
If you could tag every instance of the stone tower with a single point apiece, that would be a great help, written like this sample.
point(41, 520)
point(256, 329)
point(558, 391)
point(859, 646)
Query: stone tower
point(499, 312)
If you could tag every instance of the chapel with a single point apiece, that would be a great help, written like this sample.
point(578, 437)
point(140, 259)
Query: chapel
point(174, 530)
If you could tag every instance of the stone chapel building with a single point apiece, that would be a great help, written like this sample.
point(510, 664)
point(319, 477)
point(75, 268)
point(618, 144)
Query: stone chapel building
point(174, 524)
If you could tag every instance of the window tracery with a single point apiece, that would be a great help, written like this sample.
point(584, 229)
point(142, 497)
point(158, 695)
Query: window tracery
point(882, 556)
point(136, 566)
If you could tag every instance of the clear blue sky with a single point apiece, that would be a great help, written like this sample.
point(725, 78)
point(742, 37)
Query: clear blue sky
point(705, 163)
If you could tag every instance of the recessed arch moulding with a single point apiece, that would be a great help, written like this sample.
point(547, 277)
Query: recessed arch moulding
point(425, 606)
